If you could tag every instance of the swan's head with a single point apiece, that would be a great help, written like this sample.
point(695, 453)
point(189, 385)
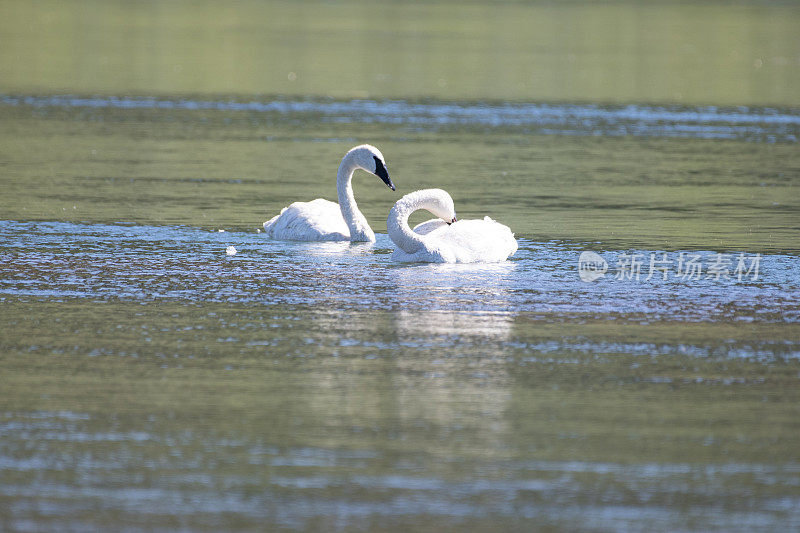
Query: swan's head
point(438, 202)
point(369, 158)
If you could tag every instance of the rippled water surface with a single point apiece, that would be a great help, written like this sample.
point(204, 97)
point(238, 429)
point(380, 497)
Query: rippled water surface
point(151, 264)
point(708, 122)
point(322, 386)
point(152, 381)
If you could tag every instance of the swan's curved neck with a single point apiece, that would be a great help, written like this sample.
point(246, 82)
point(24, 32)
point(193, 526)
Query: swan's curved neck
point(356, 221)
point(399, 230)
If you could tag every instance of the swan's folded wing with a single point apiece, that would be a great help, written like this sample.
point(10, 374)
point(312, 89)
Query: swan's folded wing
point(318, 220)
point(477, 240)
point(428, 226)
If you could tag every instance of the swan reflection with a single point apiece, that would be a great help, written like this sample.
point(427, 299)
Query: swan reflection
point(464, 287)
point(420, 324)
point(417, 374)
point(334, 248)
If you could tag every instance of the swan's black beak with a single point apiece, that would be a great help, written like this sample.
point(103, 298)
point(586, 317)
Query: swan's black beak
point(454, 220)
point(382, 173)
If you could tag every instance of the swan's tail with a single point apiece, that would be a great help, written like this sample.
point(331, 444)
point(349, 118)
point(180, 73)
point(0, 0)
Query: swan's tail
point(268, 224)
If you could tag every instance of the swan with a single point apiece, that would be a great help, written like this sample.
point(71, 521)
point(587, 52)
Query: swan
point(322, 220)
point(446, 239)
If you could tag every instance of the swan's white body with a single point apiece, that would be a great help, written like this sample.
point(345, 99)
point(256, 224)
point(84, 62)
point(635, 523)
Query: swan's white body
point(317, 220)
point(323, 220)
point(440, 241)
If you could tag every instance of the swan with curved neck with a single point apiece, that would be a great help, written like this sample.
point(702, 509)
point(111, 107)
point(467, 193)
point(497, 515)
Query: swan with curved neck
point(322, 220)
point(446, 239)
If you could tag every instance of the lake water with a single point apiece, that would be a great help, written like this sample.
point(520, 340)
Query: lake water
point(151, 381)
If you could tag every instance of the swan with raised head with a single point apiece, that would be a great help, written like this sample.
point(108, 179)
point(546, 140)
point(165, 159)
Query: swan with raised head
point(323, 220)
point(446, 239)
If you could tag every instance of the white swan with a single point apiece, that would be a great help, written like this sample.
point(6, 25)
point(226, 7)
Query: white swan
point(446, 239)
point(322, 220)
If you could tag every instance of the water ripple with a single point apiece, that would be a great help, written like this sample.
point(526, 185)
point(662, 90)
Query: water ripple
point(761, 124)
point(147, 263)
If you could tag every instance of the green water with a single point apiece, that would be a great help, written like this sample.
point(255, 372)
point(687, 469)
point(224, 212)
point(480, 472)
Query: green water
point(711, 443)
point(149, 382)
point(235, 170)
point(712, 53)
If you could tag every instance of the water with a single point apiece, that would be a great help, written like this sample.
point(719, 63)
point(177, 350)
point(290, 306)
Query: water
point(623, 52)
point(320, 385)
point(742, 123)
point(221, 163)
point(150, 380)
point(150, 264)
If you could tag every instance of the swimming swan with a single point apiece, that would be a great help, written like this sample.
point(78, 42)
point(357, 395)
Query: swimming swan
point(322, 220)
point(446, 239)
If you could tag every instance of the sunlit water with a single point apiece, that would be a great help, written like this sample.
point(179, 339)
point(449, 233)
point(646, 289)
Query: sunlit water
point(296, 306)
point(147, 264)
point(156, 379)
point(709, 122)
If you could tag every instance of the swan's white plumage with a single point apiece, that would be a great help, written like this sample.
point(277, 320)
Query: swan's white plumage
point(323, 220)
point(317, 220)
point(436, 241)
point(423, 228)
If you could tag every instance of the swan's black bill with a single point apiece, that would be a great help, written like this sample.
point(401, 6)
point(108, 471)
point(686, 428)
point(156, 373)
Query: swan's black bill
point(382, 173)
point(454, 220)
